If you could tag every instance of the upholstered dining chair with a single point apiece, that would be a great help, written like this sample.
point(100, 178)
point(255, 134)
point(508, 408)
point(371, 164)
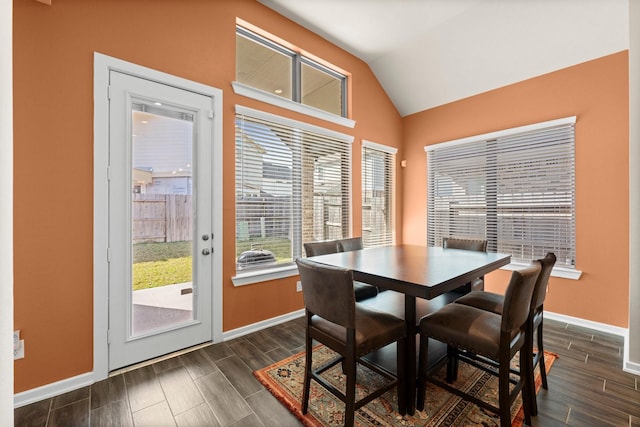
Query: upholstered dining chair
point(350, 244)
point(320, 248)
point(474, 335)
point(495, 303)
point(352, 330)
point(362, 290)
point(478, 245)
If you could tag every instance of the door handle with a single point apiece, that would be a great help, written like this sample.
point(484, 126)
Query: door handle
point(206, 251)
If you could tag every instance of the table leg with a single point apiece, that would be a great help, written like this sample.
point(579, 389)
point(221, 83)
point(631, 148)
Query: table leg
point(410, 353)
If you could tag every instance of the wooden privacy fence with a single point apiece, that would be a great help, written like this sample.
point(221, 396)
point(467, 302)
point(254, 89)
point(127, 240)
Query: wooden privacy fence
point(161, 218)
point(266, 217)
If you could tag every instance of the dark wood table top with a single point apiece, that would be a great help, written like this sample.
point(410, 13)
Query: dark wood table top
point(419, 271)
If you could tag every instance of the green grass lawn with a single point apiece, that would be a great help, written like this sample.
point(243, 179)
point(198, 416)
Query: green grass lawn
point(144, 252)
point(160, 264)
point(152, 274)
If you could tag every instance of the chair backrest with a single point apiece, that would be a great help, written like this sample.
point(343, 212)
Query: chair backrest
point(517, 298)
point(540, 290)
point(328, 292)
point(350, 244)
point(468, 244)
point(321, 248)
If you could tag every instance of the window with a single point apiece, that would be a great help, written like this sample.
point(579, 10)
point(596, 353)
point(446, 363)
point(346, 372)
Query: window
point(516, 188)
point(292, 186)
point(275, 69)
point(378, 183)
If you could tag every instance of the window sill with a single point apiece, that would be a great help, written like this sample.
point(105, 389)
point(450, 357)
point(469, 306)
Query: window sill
point(263, 275)
point(261, 95)
point(257, 276)
point(562, 272)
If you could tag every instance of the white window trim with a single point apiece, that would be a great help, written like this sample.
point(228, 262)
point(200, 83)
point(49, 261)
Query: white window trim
point(379, 147)
point(278, 101)
point(263, 275)
point(502, 133)
point(293, 123)
point(257, 276)
point(561, 272)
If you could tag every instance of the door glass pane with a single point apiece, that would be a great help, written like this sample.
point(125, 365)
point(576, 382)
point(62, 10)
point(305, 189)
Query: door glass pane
point(161, 218)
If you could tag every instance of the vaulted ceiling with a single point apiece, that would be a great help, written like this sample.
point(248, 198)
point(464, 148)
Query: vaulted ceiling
point(427, 53)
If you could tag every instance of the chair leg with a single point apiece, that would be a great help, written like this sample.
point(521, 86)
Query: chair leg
point(400, 368)
point(529, 404)
point(307, 373)
point(422, 371)
point(350, 404)
point(452, 364)
point(504, 405)
point(526, 371)
point(543, 368)
point(504, 401)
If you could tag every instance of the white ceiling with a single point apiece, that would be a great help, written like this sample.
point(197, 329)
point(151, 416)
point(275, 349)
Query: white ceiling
point(427, 53)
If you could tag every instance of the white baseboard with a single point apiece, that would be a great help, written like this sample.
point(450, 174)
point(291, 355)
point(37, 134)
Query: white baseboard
point(631, 367)
point(50, 390)
point(254, 327)
point(596, 326)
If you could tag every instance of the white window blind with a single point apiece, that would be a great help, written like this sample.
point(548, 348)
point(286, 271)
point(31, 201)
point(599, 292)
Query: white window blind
point(515, 188)
point(292, 186)
point(378, 184)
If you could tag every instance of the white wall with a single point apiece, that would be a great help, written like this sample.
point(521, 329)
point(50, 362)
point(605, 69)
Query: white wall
point(497, 43)
point(632, 355)
point(6, 213)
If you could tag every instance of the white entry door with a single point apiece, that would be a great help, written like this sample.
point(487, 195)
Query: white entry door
point(160, 219)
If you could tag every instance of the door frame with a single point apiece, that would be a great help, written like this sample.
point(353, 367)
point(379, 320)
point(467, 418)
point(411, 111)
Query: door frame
point(103, 65)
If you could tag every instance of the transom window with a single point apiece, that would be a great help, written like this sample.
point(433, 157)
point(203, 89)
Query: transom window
point(515, 188)
point(275, 69)
point(378, 184)
point(292, 186)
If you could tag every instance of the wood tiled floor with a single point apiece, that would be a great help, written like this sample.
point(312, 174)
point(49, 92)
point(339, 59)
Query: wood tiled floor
point(214, 386)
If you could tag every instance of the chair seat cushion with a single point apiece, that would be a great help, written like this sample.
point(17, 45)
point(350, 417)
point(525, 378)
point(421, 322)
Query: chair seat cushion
point(488, 301)
point(364, 291)
point(374, 329)
point(468, 328)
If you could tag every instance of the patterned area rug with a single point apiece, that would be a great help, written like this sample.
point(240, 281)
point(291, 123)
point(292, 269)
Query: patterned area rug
point(284, 380)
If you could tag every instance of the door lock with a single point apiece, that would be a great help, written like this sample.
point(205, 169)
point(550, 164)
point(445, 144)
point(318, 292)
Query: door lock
point(206, 251)
point(205, 237)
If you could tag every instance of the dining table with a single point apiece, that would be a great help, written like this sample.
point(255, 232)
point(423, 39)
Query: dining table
point(416, 272)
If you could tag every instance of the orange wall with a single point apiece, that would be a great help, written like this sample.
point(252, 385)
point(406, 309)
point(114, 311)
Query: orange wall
point(597, 93)
point(53, 111)
point(53, 133)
